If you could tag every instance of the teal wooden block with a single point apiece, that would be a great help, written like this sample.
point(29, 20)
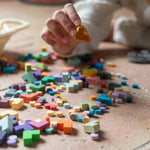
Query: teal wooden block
point(36, 88)
point(74, 61)
point(98, 111)
point(9, 70)
point(49, 130)
point(52, 93)
point(40, 65)
point(104, 99)
point(80, 118)
point(48, 79)
point(91, 113)
point(29, 77)
point(92, 127)
point(30, 136)
point(11, 92)
point(6, 124)
point(44, 55)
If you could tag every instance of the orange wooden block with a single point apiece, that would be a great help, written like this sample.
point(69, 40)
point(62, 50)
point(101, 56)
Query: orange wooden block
point(47, 118)
point(21, 65)
point(83, 114)
point(44, 74)
point(93, 97)
point(40, 93)
point(65, 125)
point(81, 34)
point(29, 97)
point(37, 105)
point(109, 93)
point(112, 65)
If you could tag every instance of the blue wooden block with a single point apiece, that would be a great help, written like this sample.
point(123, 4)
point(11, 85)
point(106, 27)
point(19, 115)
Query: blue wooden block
point(66, 105)
point(99, 66)
point(129, 100)
point(91, 113)
point(52, 93)
point(98, 111)
point(104, 99)
point(36, 83)
point(3, 137)
point(80, 118)
point(135, 86)
point(123, 77)
point(9, 70)
point(74, 74)
point(18, 130)
point(123, 82)
point(6, 124)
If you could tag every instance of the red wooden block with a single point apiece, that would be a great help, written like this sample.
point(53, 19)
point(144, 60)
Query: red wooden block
point(47, 106)
point(53, 107)
point(29, 97)
point(103, 85)
point(39, 125)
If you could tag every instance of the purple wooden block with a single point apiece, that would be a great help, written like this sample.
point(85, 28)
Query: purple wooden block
point(48, 89)
point(94, 136)
point(86, 111)
point(103, 105)
point(15, 122)
point(27, 121)
point(13, 137)
point(37, 75)
point(15, 86)
point(119, 101)
point(39, 101)
point(77, 78)
point(82, 78)
point(11, 143)
point(4, 103)
point(20, 128)
point(22, 86)
point(58, 77)
point(119, 94)
point(3, 137)
point(97, 102)
point(79, 73)
point(55, 128)
point(48, 84)
point(103, 109)
point(85, 84)
point(53, 97)
point(13, 64)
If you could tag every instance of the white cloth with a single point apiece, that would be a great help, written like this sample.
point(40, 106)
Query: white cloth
point(96, 16)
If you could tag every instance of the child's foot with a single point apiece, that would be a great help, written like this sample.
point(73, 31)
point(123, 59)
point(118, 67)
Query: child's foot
point(139, 57)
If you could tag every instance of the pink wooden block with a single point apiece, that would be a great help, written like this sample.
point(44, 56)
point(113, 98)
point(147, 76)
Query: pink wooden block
point(93, 80)
point(69, 69)
point(39, 101)
point(39, 125)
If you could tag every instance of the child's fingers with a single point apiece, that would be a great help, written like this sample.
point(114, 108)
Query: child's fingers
point(58, 31)
point(47, 37)
point(72, 13)
point(64, 20)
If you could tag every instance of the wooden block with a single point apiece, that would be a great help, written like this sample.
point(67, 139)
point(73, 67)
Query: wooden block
point(29, 97)
point(53, 123)
point(3, 137)
point(80, 82)
point(16, 103)
point(37, 105)
point(89, 72)
point(64, 100)
point(47, 118)
point(76, 108)
point(93, 97)
point(59, 103)
point(65, 125)
point(42, 66)
point(10, 113)
point(81, 33)
point(4, 103)
point(40, 93)
point(36, 88)
point(70, 111)
point(86, 119)
point(59, 114)
point(92, 127)
point(28, 77)
point(93, 80)
point(86, 105)
point(57, 95)
point(32, 103)
point(27, 67)
point(50, 113)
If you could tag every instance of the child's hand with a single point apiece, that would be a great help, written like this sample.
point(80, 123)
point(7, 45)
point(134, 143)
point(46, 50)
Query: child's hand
point(60, 30)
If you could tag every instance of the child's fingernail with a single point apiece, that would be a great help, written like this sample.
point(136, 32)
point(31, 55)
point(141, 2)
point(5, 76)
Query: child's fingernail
point(77, 22)
point(73, 32)
point(65, 39)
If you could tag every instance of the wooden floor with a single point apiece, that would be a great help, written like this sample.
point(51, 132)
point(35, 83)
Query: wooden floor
point(123, 127)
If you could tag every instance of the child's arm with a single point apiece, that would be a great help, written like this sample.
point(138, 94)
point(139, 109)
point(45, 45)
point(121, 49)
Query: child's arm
point(96, 16)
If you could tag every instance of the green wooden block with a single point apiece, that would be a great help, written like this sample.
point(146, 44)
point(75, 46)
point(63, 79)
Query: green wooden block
point(36, 57)
point(48, 79)
point(28, 67)
point(113, 85)
point(43, 55)
point(30, 136)
point(104, 75)
point(92, 127)
point(49, 130)
point(86, 105)
point(40, 65)
point(10, 93)
point(36, 88)
point(74, 61)
point(28, 77)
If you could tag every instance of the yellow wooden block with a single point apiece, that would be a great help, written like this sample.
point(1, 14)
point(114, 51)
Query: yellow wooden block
point(76, 108)
point(86, 119)
point(44, 49)
point(50, 113)
point(59, 103)
point(81, 33)
point(112, 74)
point(77, 81)
point(32, 103)
point(59, 114)
point(93, 97)
point(122, 89)
point(53, 86)
point(3, 58)
point(37, 120)
point(64, 100)
point(70, 111)
point(10, 113)
point(51, 83)
point(16, 103)
point(57, 95)
point(59, 89)
point(56, 99)
point(63, 87)
point(20, 122)
point(53, 123)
